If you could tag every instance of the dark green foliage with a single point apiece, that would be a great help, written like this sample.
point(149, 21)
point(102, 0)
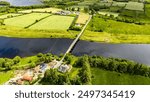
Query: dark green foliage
point(68, 58)
point(4, 3)
point(52, 77)
point(85, 72)
point(119, 65)
point(16, 59)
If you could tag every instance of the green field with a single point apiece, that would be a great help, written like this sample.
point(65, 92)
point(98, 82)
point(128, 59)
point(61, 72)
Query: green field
point(25, 20)
point(120, 4)
point(9, 15)
point(135, 6)
point(116, 32)
point(18, 32)
point(102, 77)
point(115, 27)
point(54, 22)
point(53, 10)
point(5, 76)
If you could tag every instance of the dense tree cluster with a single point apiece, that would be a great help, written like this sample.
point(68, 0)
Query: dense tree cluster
point(120, 65)
point(7, 64)
point(4, 3)
point(52, 77)
point(44, 58)
point(85, 72)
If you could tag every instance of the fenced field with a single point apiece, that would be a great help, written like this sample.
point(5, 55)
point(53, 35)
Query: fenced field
point(82, 18)
point(53, 10)
point(25, 20)
point(135, 6)
point(9, 15)
point(54, 22)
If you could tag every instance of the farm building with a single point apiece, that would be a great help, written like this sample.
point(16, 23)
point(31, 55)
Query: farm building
point(27, 77)
point(63, 68)
point(43, 67)
point(63, 13)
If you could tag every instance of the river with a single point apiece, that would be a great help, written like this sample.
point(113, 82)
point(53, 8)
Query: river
point(23, 2)
point(11, 47)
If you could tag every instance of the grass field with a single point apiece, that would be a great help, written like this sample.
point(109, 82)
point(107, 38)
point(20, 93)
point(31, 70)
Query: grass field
point(102, 77)
point(116, 32)
point(9, 15)
point(115, 27)
point(53, 10)
point(115, 38)
point(54, 22)
point(10, 31)
point(135, 6)
point(5, 76)
point(82, 19)
point(25, 20)
point(120, 4)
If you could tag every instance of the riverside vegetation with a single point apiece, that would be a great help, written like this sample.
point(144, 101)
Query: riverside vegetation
point(86, 70)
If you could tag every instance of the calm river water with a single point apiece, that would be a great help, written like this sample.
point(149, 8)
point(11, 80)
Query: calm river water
point(10, 47)
point(23, 2)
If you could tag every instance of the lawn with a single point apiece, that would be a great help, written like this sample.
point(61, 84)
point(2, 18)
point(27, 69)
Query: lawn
point(9, 15)
point(82, 19)
point(25, 20)
point(53, 10)
point(5, 76)
point(102, 77)
point(54, 22)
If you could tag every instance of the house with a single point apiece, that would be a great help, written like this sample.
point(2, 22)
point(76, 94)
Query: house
point(27, 77)
point(53, 63)
point(43, 67)
point(63, 13)
point(63, 68)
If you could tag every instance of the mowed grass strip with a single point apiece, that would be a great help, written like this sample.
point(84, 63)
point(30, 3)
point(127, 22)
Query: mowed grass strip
point(54, 22)
point(25, 20)
point(102, 77)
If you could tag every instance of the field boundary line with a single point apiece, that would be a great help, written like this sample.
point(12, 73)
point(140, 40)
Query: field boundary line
point(37, 22)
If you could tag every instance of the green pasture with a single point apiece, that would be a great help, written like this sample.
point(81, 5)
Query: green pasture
point(5, 76)
point(115, 27)
point(54, 22)
point(102, 77)
point(120, 4)
point(9, 15)
point(25, 20)
point(135, 6)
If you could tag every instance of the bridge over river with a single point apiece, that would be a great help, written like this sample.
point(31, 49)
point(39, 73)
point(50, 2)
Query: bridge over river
point(73, 43)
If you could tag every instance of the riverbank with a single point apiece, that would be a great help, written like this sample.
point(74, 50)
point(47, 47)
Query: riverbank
point(115, 38)
point(100, 70)
point(9, 31)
